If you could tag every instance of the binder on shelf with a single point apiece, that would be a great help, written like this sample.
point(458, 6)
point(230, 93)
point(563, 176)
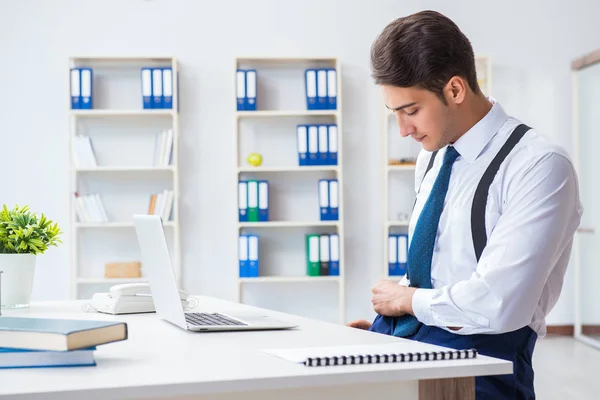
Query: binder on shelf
point(324, 255)
point(402, 254)
point(302, 144)
point(243, 255)
point(323, 147)
point(157, 88)
point(253, 262)
point(322, 89)
point(252, 201)
point(311, 88)
point(240, 79)
point(332, 145)
point(313, 145)
point(333, 200)
point(75, 89)
point(392, 254)
point(331, 89)
point(243, 201)
point(87, 89)
point(250, 104)
point(263, 201)
point(313, 266)
point(334, 254)
point(167, 87)
point(147, 99)
point(324, 200)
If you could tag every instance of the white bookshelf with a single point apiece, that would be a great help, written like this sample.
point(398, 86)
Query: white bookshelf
point(124, 138)
point(399, 179)
point(293, 200)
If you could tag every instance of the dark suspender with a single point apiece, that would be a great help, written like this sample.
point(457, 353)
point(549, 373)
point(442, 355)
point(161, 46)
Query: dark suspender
point(481, 193)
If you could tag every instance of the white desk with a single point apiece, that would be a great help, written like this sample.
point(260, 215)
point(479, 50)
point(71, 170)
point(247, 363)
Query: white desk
point(160, 360)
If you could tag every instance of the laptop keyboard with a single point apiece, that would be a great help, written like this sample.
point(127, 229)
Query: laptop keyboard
point(202, 319)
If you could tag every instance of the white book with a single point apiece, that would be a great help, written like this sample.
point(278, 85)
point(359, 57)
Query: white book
point(162, 150)
point(168, 148)
point(81, 151)
point(168, 205)
point(89, 152)
point(101, 207)
point(97, 208)
point(90, 208)
point(157, 144)
point(80, 209)
point(160, 199)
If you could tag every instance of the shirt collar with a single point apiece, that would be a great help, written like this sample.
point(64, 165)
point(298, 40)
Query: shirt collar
point(471, 144)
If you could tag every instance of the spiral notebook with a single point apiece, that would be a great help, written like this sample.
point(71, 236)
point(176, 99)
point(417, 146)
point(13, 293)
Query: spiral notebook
point(370, 354)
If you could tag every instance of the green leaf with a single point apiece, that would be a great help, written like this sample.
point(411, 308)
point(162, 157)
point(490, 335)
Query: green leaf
point(22, 232)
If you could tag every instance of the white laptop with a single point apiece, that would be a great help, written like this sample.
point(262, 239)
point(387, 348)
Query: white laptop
point(163, 285)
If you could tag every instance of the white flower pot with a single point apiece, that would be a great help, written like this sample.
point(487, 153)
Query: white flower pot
point(17, 279)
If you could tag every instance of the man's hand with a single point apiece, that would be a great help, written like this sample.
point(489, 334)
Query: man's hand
point(360, 324)
point(392, 300)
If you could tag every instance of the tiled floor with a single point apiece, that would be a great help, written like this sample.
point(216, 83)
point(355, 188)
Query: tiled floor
point(566, 369)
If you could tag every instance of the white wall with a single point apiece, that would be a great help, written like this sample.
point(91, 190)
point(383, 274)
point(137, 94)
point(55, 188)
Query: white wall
point(531, 44)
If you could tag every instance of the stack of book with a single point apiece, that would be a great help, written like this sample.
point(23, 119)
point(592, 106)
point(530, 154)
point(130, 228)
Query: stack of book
point(162, 204)
point(163, 148)
point(48, 342)
point(90, 208)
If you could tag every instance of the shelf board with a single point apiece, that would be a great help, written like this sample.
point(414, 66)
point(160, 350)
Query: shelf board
point(398, 223)
point(122, 113)
point(287, 224)
point(122, 58)
point(125, 169)
point(284, 60)
point(285, 113)
point(410, 167)
point(315, 168)
point(114, 224)
point(111, 280)
point(290, 279)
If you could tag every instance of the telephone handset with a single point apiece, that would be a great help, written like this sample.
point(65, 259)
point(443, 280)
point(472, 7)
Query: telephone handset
point(129, 298)
point(137, 289)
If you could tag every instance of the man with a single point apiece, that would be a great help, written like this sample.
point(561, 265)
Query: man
point(496, 209)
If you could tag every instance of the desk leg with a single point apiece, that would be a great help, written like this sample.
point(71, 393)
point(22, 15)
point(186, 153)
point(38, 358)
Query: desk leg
point(447, 389)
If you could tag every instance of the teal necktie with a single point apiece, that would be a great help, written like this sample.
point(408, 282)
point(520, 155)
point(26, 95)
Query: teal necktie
point(420, 252)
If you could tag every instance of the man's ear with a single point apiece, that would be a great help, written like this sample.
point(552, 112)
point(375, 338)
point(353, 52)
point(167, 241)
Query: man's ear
point(456, 90)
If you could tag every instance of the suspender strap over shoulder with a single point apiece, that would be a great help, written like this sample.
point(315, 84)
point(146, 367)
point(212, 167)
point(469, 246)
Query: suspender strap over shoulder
point(481, 194)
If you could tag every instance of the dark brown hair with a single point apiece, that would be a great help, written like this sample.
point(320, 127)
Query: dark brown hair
point(423, 50)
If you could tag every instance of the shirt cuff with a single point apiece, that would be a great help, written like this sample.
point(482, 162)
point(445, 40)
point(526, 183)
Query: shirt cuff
point(421, 305)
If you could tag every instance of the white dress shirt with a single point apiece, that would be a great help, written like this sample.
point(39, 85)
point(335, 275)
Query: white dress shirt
point(532, 212)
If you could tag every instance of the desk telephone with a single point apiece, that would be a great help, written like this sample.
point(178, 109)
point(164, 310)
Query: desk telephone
point(128, 298)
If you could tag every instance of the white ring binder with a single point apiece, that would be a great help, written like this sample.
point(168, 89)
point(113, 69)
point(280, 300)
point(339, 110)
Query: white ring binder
point(355, 359)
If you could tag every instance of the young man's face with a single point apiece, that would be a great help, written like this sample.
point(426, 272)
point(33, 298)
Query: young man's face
point(421, 115)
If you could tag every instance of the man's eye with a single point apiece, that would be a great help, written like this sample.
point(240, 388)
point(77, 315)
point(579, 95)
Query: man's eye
point(412, 113)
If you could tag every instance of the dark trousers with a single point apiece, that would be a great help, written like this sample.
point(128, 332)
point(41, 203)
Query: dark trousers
point(516, 346)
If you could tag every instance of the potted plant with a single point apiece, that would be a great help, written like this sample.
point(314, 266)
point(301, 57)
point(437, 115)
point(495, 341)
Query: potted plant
point(22, 237)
